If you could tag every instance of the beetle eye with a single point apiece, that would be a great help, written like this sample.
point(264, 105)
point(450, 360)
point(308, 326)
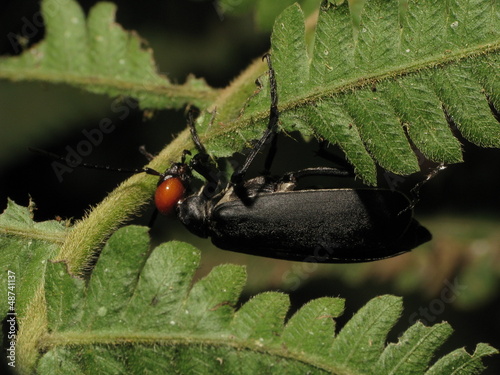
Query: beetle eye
point(168, 193)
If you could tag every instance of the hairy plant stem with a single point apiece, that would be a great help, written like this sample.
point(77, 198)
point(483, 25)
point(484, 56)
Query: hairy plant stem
point(89, 234)
point(119, 206)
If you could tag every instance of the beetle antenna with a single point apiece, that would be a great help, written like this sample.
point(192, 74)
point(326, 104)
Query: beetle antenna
point(51, 155)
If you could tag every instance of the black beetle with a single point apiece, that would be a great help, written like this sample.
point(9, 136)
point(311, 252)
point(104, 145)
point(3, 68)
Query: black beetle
point(266, 216)
point(319, 225)
point(269, 216)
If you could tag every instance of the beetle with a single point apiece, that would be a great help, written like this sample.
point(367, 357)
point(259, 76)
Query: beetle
point(269, 216)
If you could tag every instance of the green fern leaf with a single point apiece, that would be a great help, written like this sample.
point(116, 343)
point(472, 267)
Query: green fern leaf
point(26, 245)
point(403, 69)
point(139, 312)
point(310, 329)
point(414, 351)
point(461, 362)
point(261, 317)
point(199, 331)
point(383, 78)
point(97, 54)
point(361, 341)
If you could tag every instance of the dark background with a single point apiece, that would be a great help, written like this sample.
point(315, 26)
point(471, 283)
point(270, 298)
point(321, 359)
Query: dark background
point(191, 37)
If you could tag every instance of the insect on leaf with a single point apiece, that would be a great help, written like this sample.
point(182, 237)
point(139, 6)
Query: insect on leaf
point(402, 79)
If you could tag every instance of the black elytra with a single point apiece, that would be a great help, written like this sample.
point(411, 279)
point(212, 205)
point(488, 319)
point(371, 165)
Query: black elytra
point(271, 217)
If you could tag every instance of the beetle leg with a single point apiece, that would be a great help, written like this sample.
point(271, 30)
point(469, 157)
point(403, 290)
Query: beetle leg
point(317, 171)
point(268, 136)
point(201, 162)
point(148, 155)
point(194, 134)
point(415, 191)
point(270, 156)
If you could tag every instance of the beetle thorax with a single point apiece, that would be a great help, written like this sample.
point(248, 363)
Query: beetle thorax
point(193, 212)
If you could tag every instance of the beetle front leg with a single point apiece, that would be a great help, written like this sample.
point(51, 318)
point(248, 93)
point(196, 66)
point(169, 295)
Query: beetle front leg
point(269, 136)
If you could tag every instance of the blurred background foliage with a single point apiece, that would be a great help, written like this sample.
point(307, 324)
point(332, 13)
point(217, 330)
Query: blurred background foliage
point(454, 278)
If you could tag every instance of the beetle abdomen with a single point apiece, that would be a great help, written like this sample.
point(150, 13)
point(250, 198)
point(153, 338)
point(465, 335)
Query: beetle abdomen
point(326, 225)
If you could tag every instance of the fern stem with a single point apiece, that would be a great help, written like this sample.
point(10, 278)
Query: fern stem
point(118, 207)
